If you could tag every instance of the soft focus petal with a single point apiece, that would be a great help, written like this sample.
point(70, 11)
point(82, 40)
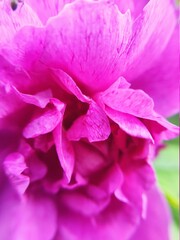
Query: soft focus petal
point(163, 79)
point(151, 33)
point(15, 166)
point(116, 222)
point(157, 222)
point(37, 219)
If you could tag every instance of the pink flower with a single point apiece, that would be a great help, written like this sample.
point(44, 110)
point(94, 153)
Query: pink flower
point(84, 89)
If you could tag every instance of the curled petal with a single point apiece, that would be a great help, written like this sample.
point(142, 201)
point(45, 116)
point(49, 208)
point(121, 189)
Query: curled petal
point(94, 125)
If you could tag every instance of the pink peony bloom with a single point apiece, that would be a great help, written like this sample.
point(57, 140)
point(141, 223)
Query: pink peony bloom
point(85, 87)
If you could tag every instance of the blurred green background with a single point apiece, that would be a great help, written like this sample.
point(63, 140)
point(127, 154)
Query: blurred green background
point(167, 169)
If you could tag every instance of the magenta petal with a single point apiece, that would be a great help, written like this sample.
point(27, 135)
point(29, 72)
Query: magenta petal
point(90, 37)
point(11, 21)
point(14, 166)
point(162, 79)
point(114, 223)
point(94, 125)
point(156, 225)
point(45, 121)
point(151, 33)
point(65, 151)
point(38, 219)
point(128, 123)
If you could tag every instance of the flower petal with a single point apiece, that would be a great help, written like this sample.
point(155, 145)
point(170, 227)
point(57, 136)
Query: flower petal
point(45, 121)
point(116, 222)
point(151, 33)
point(12, 21)
point(14, 166)
point(90, 37)
point(160, 81)
point(94, 125)
point(64, 150)
point(157, 222)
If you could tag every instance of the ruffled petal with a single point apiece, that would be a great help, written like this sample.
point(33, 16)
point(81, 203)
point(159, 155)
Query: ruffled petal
point(94, 125)
point(45, 121)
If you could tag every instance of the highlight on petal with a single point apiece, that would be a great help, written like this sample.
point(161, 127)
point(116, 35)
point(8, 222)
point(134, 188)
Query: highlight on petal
point(94, 125)
point(157, 221)
point(90, 37)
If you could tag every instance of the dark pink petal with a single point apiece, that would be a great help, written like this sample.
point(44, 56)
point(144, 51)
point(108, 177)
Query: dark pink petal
point(45, 121)
point(64, 150)
point(94, 125)
point(90, 37)
point(12, 21)
point(88, 159)
point(156, 224)
point(15, 167)
point(161, 82)
point(151, 33)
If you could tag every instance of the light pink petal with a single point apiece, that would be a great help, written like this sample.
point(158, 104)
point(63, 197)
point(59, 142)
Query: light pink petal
point(128, 123)
point(37, 219)
point(94, 125)
point(46, 9)
point(12, 21)
point(65, 151)
point(90, 37)
point(156, 225)
point(161, 82)
point(151, 33)
point(45, 121)
point(15, 167)
point(25, 48)
point(114, 223)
